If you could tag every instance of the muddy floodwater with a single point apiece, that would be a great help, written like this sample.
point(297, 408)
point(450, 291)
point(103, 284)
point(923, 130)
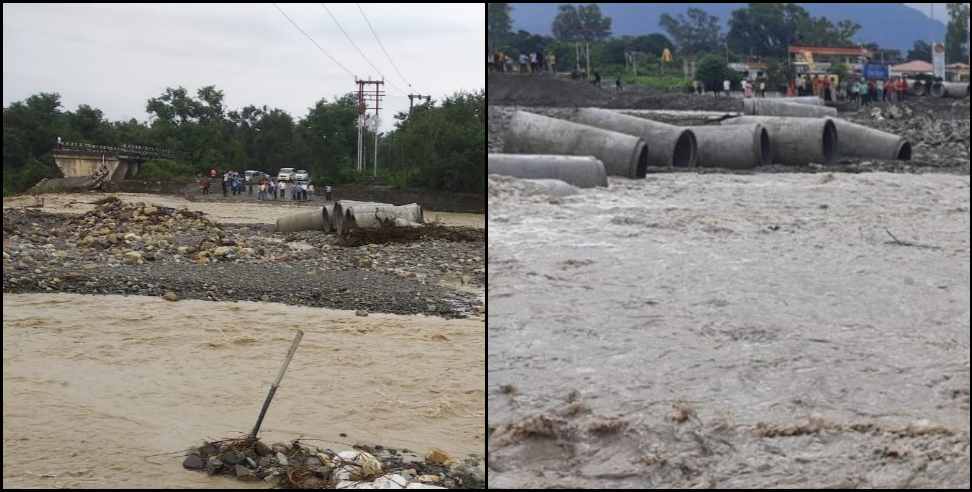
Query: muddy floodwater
point(730, 331)
point(96, 388)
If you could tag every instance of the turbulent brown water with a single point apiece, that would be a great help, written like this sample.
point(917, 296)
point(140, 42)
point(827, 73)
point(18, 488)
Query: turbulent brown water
point(92, 385)
point(731, 331)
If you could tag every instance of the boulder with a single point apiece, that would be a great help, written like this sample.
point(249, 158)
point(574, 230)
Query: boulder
point(193, 462)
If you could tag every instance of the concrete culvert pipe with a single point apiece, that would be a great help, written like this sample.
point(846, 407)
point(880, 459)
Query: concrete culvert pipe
point(955, 90)
point(389, 214)
point(315, 219)
point(859, 141)
point(338, 215)
point(734, 146)
point(583, 172)
point(917, 88)
point(797, 141)
point(622, 155)
point(777, 107)
point(668, 145)
point(808, 100)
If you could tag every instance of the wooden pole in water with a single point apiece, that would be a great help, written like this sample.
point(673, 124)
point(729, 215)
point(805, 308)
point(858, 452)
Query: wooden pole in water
point(273, 389)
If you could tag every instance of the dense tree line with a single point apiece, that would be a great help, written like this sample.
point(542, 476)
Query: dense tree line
point(762, 30)
point(439, 146)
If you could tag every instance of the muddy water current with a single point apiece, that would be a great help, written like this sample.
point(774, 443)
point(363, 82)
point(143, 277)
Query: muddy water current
point(97, 388)
point(731, 331)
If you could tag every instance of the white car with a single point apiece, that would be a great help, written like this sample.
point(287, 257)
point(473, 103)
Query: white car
point(301, 175)
point(285, 174)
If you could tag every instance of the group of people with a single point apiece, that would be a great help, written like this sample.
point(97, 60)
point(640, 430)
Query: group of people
point(269, 189)
point(822, 86)
point(532, 62)
point(753, 87)
point(865, 93)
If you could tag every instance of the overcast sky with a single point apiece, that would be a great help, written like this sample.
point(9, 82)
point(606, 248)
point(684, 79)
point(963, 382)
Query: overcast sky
point(939, 11)
point(115, 56)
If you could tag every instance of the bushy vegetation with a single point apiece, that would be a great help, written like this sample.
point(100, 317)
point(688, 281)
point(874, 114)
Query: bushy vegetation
point(440, 146)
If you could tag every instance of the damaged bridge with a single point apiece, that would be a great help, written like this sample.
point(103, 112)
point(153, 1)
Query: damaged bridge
point(109, 163)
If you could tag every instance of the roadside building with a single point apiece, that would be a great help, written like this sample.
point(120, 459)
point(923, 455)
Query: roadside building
point(957, 72)
point(912, 68)
point(750, 70)
point(811, 60)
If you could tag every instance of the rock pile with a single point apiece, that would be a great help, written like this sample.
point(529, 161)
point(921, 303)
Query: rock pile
point(138, 232)
point(937, 139)
point(303, 467)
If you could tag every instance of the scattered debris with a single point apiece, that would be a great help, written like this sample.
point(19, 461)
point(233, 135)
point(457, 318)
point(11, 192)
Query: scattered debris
point(300, 466)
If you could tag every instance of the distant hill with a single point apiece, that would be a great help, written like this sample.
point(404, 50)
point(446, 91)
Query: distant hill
point(891, 25)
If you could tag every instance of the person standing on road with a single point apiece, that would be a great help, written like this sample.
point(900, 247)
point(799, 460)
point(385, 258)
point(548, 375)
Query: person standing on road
point(283, 190)
point(879, 91)
point(726, 86)
point(617, 83)
point(327, 193)
point(524, 61)
point(552, 62)
point(533, 62)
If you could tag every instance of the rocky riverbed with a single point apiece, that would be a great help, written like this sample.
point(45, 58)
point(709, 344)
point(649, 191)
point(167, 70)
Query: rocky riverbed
point(139, 248)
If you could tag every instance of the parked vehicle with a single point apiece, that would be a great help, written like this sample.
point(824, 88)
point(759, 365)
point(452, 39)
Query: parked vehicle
point(301, 175)
point(253, 176)
point(285, 174)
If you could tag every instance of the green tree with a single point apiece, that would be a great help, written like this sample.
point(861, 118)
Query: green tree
point(583, 23)
point(921, 50)
point(695, 34)
point(712, 71)
point(957, 34)
point(498, 24)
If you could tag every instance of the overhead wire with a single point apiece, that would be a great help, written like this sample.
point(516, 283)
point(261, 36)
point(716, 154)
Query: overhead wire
point(313, 41)
point(382, 46)
point(348, 37)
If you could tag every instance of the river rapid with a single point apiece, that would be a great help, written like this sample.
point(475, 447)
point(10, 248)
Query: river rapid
point(788, 330)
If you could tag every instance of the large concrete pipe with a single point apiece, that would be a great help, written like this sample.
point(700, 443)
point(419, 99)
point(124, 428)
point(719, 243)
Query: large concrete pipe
point(668, 145)
point(917, 87)
point(389, 214)
point(867, 143)
point(956, 90)
point(734, 147)
point(339, 213)
point(583, 172)
point(777, 107)
point(809, 100)
point(308, 220)
point(622, 155)
point(797, 141)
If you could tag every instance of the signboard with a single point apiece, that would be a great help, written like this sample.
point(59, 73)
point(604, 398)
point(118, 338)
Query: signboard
point(875, 72)
point(938, 58)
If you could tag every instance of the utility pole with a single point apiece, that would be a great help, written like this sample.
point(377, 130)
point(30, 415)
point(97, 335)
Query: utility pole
point(419, 97)
point(367, 99)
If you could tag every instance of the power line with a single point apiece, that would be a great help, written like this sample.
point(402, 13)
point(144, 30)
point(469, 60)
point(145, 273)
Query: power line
point(356, 46)
point(315, 42)
point(383, 50)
